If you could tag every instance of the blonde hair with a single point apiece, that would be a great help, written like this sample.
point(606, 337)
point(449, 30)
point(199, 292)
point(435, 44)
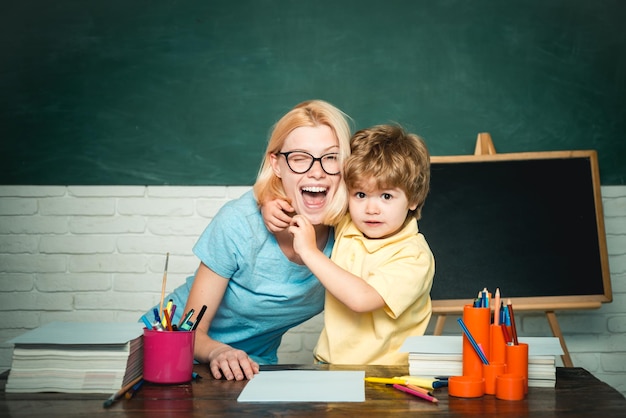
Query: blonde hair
point(310, 113)
point(392, 158)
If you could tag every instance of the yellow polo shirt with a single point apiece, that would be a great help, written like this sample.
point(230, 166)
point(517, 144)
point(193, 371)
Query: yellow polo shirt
point(401, 269)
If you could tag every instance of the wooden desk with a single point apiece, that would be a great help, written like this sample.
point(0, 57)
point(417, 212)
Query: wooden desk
point(577, 393)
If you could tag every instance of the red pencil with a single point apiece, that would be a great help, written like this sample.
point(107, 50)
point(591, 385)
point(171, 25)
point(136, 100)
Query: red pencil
point(505, 332)
point(513, 329)
point(167, 320)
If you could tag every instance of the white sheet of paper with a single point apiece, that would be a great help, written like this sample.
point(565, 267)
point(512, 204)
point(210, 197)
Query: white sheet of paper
point(305, 386)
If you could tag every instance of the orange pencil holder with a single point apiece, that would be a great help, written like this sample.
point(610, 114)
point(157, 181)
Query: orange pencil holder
point(510, 387)
point(477, 321)
point(517, 361)
point(466, 386)
point(497, 349)
point(490, 372)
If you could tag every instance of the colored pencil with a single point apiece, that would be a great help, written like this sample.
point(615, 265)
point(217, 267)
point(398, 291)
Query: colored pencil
point(386, 380)
point(416, 393)
point(496, 308)
point(168, 322)
point(505, 332)
point(473, 341)
point(513, 329)
point(424, 382)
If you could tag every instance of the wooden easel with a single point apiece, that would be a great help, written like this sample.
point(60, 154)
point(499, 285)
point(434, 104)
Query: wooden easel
point(484, 146)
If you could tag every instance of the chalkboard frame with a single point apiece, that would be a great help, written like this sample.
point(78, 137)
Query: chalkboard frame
point(540, 303)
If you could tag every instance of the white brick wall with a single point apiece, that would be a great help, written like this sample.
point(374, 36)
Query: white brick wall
point(89, 253)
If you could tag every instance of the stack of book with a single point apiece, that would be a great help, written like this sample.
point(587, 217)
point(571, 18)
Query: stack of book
point(76, 358)
point(442, 355)
point(541, 370)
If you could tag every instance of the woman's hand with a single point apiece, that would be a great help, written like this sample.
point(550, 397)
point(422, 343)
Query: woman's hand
point(232, 364)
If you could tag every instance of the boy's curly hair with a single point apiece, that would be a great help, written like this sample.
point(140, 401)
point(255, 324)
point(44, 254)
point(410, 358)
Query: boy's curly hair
point(393, 158)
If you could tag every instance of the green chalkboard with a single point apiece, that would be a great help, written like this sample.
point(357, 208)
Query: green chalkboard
point(186, 92)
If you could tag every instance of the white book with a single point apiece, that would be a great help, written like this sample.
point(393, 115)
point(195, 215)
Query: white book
point(541, 383)
point(76, 358)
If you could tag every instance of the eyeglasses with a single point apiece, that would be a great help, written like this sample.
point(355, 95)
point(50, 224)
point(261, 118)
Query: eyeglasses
point(300, 162)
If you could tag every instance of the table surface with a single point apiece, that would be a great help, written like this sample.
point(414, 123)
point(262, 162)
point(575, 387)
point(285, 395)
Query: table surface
point(577, 393)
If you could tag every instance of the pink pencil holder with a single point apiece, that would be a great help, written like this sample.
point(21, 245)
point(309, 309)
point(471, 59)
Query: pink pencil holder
point(168, 356)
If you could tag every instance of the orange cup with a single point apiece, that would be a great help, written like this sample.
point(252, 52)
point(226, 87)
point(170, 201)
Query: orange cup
point(477, 321)
point(466, 386)
point(517, 361)
point(496, 351)
point(490, 372)
point(510, 387)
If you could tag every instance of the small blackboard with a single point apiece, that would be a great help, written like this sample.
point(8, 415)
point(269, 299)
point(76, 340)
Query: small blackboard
point(528, 223)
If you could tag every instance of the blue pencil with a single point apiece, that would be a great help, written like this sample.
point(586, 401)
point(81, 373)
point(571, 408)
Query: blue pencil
point(473, 342)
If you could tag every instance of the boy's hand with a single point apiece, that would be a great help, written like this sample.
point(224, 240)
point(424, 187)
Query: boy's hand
point(277, 215)
point(303, 235)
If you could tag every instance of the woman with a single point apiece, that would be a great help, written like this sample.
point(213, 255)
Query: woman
point(254, 285)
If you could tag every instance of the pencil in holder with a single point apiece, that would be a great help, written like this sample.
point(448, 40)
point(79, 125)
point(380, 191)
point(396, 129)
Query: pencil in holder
point(477, 321)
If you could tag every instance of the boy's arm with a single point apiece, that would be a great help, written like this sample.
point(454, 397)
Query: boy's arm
point(349, 289)
point(276, 215)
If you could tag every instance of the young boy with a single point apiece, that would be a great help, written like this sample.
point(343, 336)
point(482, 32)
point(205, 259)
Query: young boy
point(379, 277)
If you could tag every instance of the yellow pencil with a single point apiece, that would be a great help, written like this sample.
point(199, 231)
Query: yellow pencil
point(424, 382)
point(168, 309)
point(386, 380)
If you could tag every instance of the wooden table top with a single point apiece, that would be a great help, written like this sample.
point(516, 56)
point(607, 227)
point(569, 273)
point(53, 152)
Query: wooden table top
point(577, 393)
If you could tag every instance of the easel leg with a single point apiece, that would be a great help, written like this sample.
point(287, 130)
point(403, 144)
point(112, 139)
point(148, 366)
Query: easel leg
point(556, 331)
point(441, 321)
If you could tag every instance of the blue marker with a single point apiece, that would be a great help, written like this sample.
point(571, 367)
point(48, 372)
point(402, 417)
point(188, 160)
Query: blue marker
point(157, 318)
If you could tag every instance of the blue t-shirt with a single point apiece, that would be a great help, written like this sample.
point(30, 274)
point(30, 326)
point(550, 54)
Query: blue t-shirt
point(266, 295)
